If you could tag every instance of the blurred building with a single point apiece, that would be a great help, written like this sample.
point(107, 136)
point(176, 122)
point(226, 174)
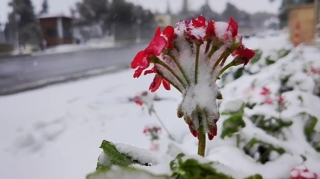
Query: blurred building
point(56, 29)
point(301, 16)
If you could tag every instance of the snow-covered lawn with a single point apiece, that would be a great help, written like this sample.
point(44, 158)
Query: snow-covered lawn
point(55, 132)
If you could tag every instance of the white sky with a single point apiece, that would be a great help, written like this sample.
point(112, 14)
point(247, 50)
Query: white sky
point(63, 6)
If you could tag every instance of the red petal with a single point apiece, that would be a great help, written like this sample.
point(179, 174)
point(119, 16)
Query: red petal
point(153, 70)
point(200, 22)
point(210, 30)
point(155, 84)
point(233, 27)
point(156, 45)
point(169, 33)
point(137, 59)
point(166, 84)
point(193, 131)
point(210, 137)
point(158, 32)
point(138, 72)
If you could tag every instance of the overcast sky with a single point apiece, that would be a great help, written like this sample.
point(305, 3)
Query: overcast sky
point(63, 6)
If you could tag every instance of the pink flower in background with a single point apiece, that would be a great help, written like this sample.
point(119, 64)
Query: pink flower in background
point(153, 131)
point(301, 172)
point(268, 100)
point(281, 99)
point(265, 91)
point(315, 70)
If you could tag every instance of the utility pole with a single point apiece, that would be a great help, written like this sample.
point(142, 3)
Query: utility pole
point(16, 27)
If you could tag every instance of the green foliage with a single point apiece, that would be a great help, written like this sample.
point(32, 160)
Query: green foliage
point(270, 60)
point(124, 172)
point(251, 106)
point(270, 125)
point(309, 130)
point(238, 73)
point(257, 176)
point(192, 169)
point(232, 125)
point(283, 52)
point(257, 57)
point(28, 26)
point(269, 148)
point(113, 157)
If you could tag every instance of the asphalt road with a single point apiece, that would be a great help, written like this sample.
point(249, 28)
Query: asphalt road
point(25, 73)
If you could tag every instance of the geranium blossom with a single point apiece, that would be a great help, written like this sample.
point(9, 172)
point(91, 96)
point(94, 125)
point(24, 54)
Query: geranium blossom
point(301, 172)
point(191, 56)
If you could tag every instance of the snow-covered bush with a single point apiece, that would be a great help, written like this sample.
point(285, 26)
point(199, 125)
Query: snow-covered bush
point(268, 118)
point(190, 57)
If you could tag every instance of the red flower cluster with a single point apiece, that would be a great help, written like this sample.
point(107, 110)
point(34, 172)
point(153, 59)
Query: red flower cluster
point(244, 54)
point(167, 51)
point(141, 61)
point(302, 173)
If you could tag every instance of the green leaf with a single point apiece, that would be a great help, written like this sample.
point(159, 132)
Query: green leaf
point(283, 52)
point(268, 146)
point(309, 127)
point(192, 169)
point(124, 172)
point(269, 60)
point(257, 57)
point(232, 125)
point(256, 176)
point(238, 73)
point(112, 156)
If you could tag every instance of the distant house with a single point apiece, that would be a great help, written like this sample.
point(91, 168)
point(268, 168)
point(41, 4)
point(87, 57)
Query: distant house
point(303, 14)
point(56, 29)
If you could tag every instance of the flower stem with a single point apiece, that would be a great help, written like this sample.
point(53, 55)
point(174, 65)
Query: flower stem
point(164, 127)
point(169, 53)
point(227, 66)
point(170, 70)
point(202, 141)
point(197, 64)
point(213, 49)
point(159, 73)
point(223, 57)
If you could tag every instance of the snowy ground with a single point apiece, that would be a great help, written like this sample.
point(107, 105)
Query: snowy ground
point(55, 132)
point(92, 44)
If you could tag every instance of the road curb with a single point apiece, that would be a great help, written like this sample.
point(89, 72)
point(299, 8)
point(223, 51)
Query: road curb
point(62, 79)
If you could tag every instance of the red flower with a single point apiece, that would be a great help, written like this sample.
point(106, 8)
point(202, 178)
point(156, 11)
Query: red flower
point(315, 70)
point(265, 91)
point(299, 173)
point(157, 44)
point(199, 22)
point(169, 33)
point(141, 62)
point(157, 82)
point(245, 54)
point(137, 100)
point(233, 27)
point(268, 100)
point(280, 99)
point(210, 31)
point(152, 70)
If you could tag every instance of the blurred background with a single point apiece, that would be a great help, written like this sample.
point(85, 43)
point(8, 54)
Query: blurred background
point(28, 26)
point(84, 27)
